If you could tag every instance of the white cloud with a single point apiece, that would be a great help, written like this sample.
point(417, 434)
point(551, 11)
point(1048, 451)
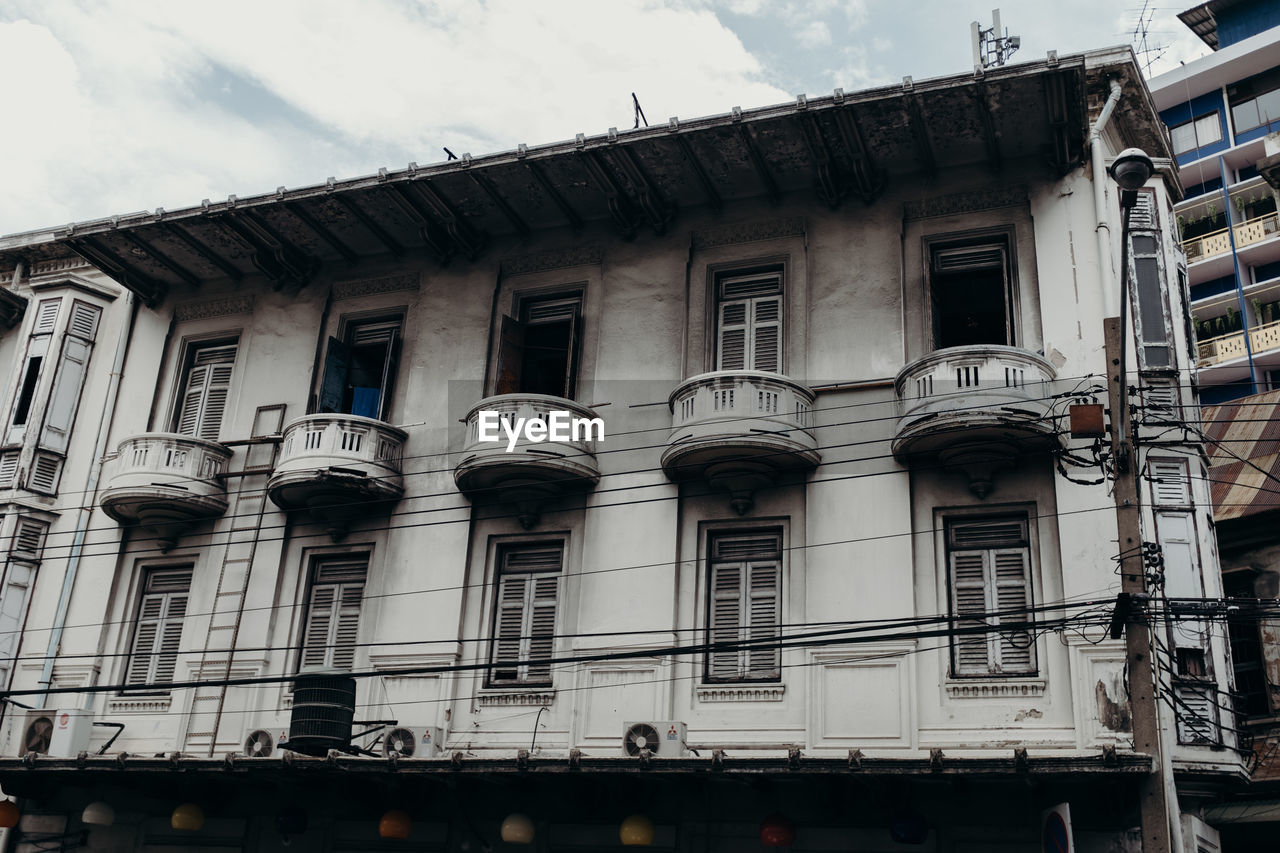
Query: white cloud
point(815, 34)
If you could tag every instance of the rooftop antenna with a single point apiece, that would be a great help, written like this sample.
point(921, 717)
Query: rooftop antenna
point(993, 46)
point(639, 112)
point(451, 155)
point(1148, 53)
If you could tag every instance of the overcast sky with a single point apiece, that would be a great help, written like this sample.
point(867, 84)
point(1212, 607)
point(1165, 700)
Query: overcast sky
point(117, 106)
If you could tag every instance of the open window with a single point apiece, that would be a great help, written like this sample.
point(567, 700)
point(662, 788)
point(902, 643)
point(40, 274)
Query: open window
point(206, 385)
point(971, 293)
point(749, 321)
point(37, 352)
point(539, 352)
point(360, 369)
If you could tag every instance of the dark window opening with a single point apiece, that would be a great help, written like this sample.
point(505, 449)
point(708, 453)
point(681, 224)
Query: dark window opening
point(539, 352)
point(1191, 663)
point(1153, 327)
point(1245, 637)
point(360, 370)
point(29, 382)
point(971, 295)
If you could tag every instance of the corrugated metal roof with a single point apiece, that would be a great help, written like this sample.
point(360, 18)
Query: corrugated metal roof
point(1244, 455)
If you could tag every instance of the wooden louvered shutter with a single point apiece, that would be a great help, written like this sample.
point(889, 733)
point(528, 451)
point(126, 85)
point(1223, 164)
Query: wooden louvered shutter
point(158, 634)
point(144, 638)
point(732, 345)
point(525, 618)
point(215, 400)
point(332, 627)
point(204, 395)
point(1015, 649)
point(763, 599)
point(170, 638)
point(726, 619)
point(766, 334)
point(1169, 482)
point(192, 398)
point(315, 643)
point(542, 626)
point(972, 651)
point(509, 627)
point(65, 398)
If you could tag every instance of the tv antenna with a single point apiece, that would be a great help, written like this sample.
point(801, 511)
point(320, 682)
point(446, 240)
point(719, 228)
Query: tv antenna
point(639, 112)
point(992, 46)
point(1148, 53)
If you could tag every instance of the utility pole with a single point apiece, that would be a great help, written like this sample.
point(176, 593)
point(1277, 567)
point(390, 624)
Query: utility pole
point(1139, 653)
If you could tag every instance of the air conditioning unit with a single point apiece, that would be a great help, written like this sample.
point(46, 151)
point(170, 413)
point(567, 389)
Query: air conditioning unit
point(663, 739)
point(62, 733)
point(263, 743)
point(412, 741)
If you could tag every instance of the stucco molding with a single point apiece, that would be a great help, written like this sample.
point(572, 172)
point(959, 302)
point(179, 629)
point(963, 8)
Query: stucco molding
point(139, 704)
point(352, 288)
point(53, 266)
point(966, 202)
point(224, 307)
point(749, 232)
point(577, 256)
point(995, 689)
point(741, 692)
point(508, 699)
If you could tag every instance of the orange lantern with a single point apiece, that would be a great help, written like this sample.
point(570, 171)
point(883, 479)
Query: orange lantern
point(9, 814)
point(636, 831)
point(777, 831)
point(517, 829)
point(395, 824)
point(187, 817)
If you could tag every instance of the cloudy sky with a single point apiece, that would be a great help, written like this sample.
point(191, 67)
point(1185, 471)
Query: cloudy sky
point(115, 106)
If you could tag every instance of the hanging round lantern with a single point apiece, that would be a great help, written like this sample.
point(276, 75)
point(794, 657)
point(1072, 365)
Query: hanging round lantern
point(636, 831)
point(187, 817)
point(517, 829)
point(9, 814)
point(98, 813)
point(777, 831)
point(395, 824)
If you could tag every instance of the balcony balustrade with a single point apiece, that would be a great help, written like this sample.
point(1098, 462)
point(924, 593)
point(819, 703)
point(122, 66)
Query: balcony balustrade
point(335, 466)
point(740, 430)
point(1246, 233)
point(1227, 347)
point(975, 409)
point(528, 473)
point(165, 482)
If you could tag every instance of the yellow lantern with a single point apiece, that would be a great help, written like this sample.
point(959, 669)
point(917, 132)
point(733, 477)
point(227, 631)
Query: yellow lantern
point(9, 814)
point(636, 831)
point(517, 829)
point(187, 817)
point(98, 813)
point(395, 824)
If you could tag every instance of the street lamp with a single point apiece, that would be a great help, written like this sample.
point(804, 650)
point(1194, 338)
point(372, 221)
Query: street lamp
point(1131, 171)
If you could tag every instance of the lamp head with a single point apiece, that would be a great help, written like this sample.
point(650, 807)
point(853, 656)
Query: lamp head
point(1132, 169)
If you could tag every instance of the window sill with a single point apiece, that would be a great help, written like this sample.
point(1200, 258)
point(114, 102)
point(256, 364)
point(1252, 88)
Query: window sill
point(508, 698)
point(741, 692)
point(153, 704)
point(995, 688)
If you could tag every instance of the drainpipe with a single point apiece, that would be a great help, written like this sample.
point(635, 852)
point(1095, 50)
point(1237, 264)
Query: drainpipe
point(1106, 280)
point(91, 486)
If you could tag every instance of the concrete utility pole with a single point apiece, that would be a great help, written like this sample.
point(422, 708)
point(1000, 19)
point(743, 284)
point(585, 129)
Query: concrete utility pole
point(1139, 653)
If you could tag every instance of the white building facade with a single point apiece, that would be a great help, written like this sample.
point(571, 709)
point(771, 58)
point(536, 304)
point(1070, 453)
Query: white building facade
point(836, 535)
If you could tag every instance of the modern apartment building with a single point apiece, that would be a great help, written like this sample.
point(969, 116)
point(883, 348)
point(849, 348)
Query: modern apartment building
point(816, 561)
point(1220, 110)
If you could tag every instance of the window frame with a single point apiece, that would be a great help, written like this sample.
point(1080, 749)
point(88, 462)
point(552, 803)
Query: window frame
point(946, 522)
point(146, 577)
point(708, 584)
point(394, 318)
point(1195, 125)
point(1016, 335)
point(1152, 232)
point(316, 564)
point(191, 347)
point(524, 679)
point(509, 359)
point(726, 277)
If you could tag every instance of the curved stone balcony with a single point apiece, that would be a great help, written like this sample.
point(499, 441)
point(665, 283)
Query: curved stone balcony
point(740, 429)
point(975, 408)
point(164, 482)
point(335, 465)
point(529, 472)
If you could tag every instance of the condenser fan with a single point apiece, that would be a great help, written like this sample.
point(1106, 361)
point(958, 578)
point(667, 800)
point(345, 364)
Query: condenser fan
point(401, 742)
point(258, 744)
point(641, 736)
point(39, 734)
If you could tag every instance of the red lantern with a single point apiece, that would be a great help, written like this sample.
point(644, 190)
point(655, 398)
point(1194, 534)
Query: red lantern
point(395, 824)
point(8, 814)
point(777, 831)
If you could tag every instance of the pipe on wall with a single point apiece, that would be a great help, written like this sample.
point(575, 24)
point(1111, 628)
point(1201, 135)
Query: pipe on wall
point(1106, 278)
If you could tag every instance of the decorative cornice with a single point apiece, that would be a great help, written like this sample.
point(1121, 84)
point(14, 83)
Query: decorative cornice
point(12, 306)
point(352, 288)
point(213, 308)
point(58, 265)
point(994, 689)
point(742, 693)
point(577, 256)
point(139, 704)
point(748, 232)
point(501, 700)
point(967, 202)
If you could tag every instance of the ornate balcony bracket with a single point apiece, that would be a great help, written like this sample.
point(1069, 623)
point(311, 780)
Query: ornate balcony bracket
point(975, 410)
point(740, 430)
point(164, 483)
point(337, 467)
point(528, 475)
